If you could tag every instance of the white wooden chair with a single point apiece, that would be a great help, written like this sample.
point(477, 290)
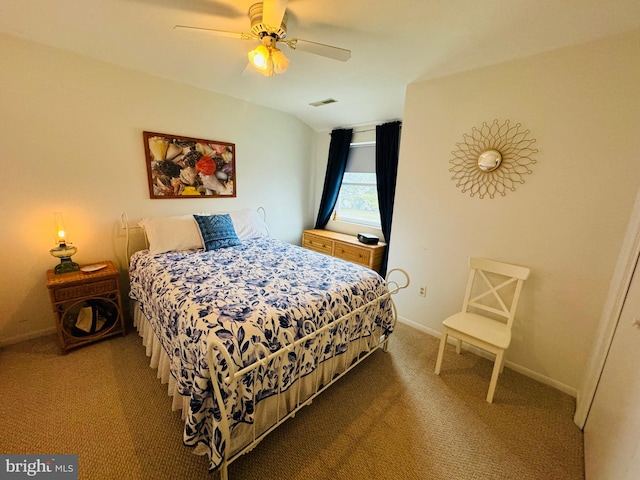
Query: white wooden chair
point(494, 290)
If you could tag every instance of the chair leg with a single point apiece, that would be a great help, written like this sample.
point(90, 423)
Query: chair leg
point(494, 375)
point(458, 346)
point(443, 342)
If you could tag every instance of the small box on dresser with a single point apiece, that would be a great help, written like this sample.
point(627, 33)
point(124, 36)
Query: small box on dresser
point(347, 247)
point(73, 291)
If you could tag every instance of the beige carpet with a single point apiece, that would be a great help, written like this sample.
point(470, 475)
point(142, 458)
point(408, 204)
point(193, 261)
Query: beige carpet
point(390, 418)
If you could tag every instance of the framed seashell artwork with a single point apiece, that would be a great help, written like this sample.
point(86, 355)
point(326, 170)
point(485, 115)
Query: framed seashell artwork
point(185, 167)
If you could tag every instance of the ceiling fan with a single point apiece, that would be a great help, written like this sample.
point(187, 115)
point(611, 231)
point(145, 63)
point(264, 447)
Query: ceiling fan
point(269, 26)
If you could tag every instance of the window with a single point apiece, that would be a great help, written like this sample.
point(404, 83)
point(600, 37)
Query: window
point(358, 198)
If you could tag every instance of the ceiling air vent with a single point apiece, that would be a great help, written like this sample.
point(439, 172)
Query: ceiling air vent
point(323, 102)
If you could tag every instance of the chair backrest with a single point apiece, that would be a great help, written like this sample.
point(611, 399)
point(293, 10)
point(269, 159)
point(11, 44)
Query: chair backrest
point(494, 287)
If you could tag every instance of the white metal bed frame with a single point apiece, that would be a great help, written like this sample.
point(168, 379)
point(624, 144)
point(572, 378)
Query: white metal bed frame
point(337, 366)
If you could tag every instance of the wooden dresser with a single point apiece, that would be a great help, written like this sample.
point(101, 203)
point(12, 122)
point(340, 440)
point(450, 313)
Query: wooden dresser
point(344, 246)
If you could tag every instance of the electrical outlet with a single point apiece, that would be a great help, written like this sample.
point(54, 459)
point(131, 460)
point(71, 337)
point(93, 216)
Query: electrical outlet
point(422, 292)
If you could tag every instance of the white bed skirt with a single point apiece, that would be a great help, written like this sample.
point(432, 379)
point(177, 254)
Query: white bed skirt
point(159, 359)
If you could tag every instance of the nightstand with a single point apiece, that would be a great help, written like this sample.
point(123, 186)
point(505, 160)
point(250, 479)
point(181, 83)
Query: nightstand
point(86, 305)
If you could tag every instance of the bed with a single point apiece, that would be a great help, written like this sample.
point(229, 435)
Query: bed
point(248, 330)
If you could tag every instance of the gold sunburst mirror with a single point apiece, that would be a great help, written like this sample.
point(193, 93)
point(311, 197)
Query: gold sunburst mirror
point(493, 159)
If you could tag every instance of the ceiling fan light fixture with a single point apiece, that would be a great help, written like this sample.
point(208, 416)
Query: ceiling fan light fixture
point(267, 58)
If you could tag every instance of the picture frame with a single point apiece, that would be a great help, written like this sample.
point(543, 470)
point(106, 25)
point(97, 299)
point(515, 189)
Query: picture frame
point(187, 167)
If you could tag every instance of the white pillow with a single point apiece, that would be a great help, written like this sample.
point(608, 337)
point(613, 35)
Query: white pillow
point(248, 224)
point(167, 234)
point(172, 233)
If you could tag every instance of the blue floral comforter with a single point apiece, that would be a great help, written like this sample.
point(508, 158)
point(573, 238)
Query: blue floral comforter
point(244, 295)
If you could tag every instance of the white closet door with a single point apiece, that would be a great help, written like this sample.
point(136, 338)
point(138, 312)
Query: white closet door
point(612, 431)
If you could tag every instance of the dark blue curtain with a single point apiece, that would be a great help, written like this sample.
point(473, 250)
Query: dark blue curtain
point(387, 151)
point(338, 154)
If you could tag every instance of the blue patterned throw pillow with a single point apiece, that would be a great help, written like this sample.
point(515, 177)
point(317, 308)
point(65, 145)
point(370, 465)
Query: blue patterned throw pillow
point(217, 231)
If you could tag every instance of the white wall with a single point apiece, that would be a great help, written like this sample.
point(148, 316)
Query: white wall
point(567, 222)
point(71, 141)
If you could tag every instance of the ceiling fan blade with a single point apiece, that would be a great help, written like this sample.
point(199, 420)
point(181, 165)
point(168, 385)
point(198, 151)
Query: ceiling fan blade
point(321, 49)
point(218, 33)
point(219, 8)
point(273, 12)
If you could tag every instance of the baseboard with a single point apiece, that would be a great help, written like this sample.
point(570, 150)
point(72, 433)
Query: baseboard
point(5, 342)
point(513, 366)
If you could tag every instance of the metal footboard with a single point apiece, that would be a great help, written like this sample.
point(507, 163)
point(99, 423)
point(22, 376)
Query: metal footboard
point(328, 335)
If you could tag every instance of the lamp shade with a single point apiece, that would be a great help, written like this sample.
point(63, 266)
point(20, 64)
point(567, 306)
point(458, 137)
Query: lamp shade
point(280, 62)
point(259, 58)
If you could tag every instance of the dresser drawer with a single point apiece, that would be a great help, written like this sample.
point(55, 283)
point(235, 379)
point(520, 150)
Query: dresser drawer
point(352, 253)
point(86, 290)
point(317, 243)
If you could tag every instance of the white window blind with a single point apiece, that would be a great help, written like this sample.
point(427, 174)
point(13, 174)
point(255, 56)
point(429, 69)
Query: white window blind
point(358, 198)
point(362, 158)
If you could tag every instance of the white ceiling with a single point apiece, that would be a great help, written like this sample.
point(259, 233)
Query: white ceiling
point(393, 43)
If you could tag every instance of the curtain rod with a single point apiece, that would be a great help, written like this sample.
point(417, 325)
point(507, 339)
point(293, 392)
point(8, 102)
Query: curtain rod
point(361, 131)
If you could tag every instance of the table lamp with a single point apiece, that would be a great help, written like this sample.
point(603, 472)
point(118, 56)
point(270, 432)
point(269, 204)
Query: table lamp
point(65, 249)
